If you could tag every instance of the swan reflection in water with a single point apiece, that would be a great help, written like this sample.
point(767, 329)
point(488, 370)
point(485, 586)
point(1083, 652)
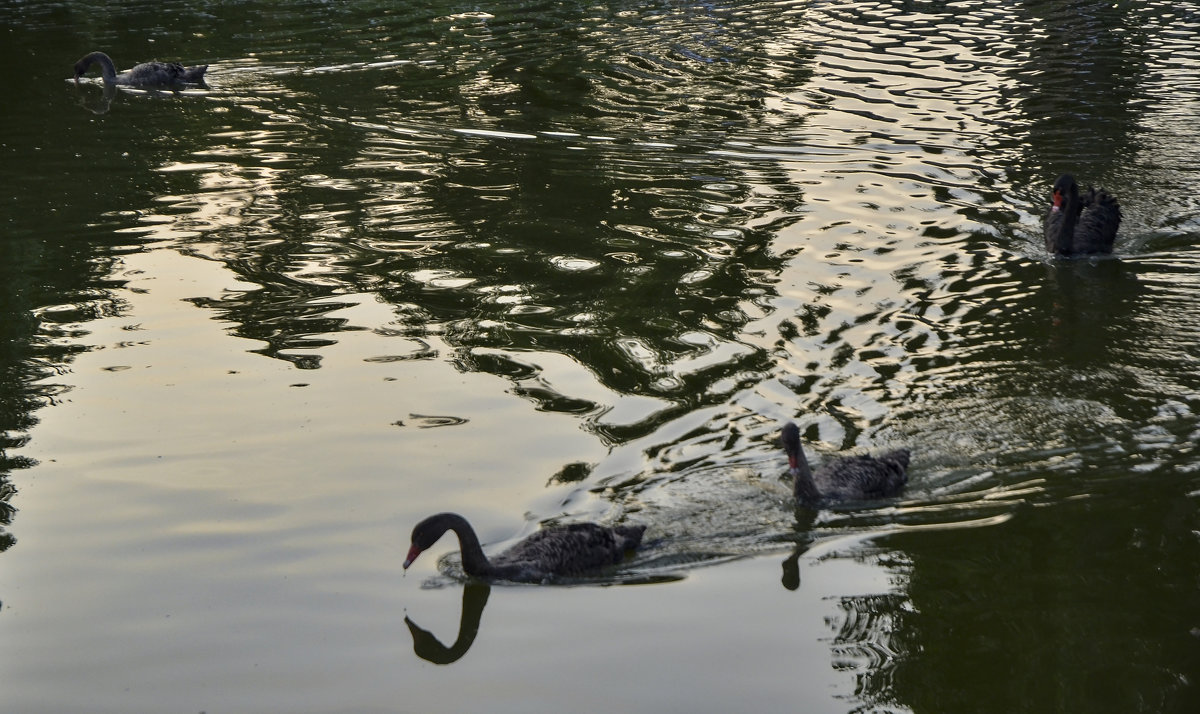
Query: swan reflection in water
point(544, 556)
point(430, 648)
point(109, 92)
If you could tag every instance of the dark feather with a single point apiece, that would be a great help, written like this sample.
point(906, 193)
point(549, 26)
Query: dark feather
point(1080, 224)
point(567, 550)
point(863, 477)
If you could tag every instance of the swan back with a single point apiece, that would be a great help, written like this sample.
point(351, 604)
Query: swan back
point(864, 477)
point(1096, 230)
point(570, 549)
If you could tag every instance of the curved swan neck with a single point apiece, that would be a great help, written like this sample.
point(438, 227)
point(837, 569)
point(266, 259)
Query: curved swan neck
point(107, 69)
point(473, 560)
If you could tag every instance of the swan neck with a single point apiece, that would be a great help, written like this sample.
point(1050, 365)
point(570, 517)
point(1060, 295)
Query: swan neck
point(473, 560)
point(805, 488)
point(107, 69)
point(1064, 241)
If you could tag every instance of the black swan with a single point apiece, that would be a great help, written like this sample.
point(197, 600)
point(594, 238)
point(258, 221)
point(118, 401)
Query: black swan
point(848, 478)
point(1080, 225)
point(147, 74)
point(558, 550)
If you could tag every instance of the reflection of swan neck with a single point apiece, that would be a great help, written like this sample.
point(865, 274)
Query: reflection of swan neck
point(107, 69)
point(428, 647)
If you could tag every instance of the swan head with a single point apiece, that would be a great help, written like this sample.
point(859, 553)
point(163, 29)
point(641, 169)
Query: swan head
point(427, 532)
point(82, 66)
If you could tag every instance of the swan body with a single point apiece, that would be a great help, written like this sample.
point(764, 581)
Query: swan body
point(570, 549)
point(847, 478)
point(147, 74)
point(1080, 224)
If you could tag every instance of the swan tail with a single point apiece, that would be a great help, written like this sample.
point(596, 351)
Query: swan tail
point(194, 75)
point(632, 535)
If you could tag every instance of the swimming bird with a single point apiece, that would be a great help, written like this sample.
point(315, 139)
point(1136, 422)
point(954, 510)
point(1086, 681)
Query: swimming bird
point(571, 549)
point(846, 478)
point(1080, 225)
point(147, 74)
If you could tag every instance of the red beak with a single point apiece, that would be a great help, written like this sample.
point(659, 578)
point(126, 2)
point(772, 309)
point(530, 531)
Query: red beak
point(413, 552)
point(1057, 200)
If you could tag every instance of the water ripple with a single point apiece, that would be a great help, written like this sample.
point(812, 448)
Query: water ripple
point(821, 211)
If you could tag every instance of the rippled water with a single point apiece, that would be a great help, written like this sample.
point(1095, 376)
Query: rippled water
point(542, 262)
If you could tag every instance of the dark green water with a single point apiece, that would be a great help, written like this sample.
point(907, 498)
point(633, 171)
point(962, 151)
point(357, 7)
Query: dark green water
point(565, 261)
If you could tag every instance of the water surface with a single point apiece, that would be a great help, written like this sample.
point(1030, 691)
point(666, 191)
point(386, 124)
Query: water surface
point(543, 262)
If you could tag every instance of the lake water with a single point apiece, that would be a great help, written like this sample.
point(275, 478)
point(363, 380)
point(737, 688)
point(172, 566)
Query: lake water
point(542, 262)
